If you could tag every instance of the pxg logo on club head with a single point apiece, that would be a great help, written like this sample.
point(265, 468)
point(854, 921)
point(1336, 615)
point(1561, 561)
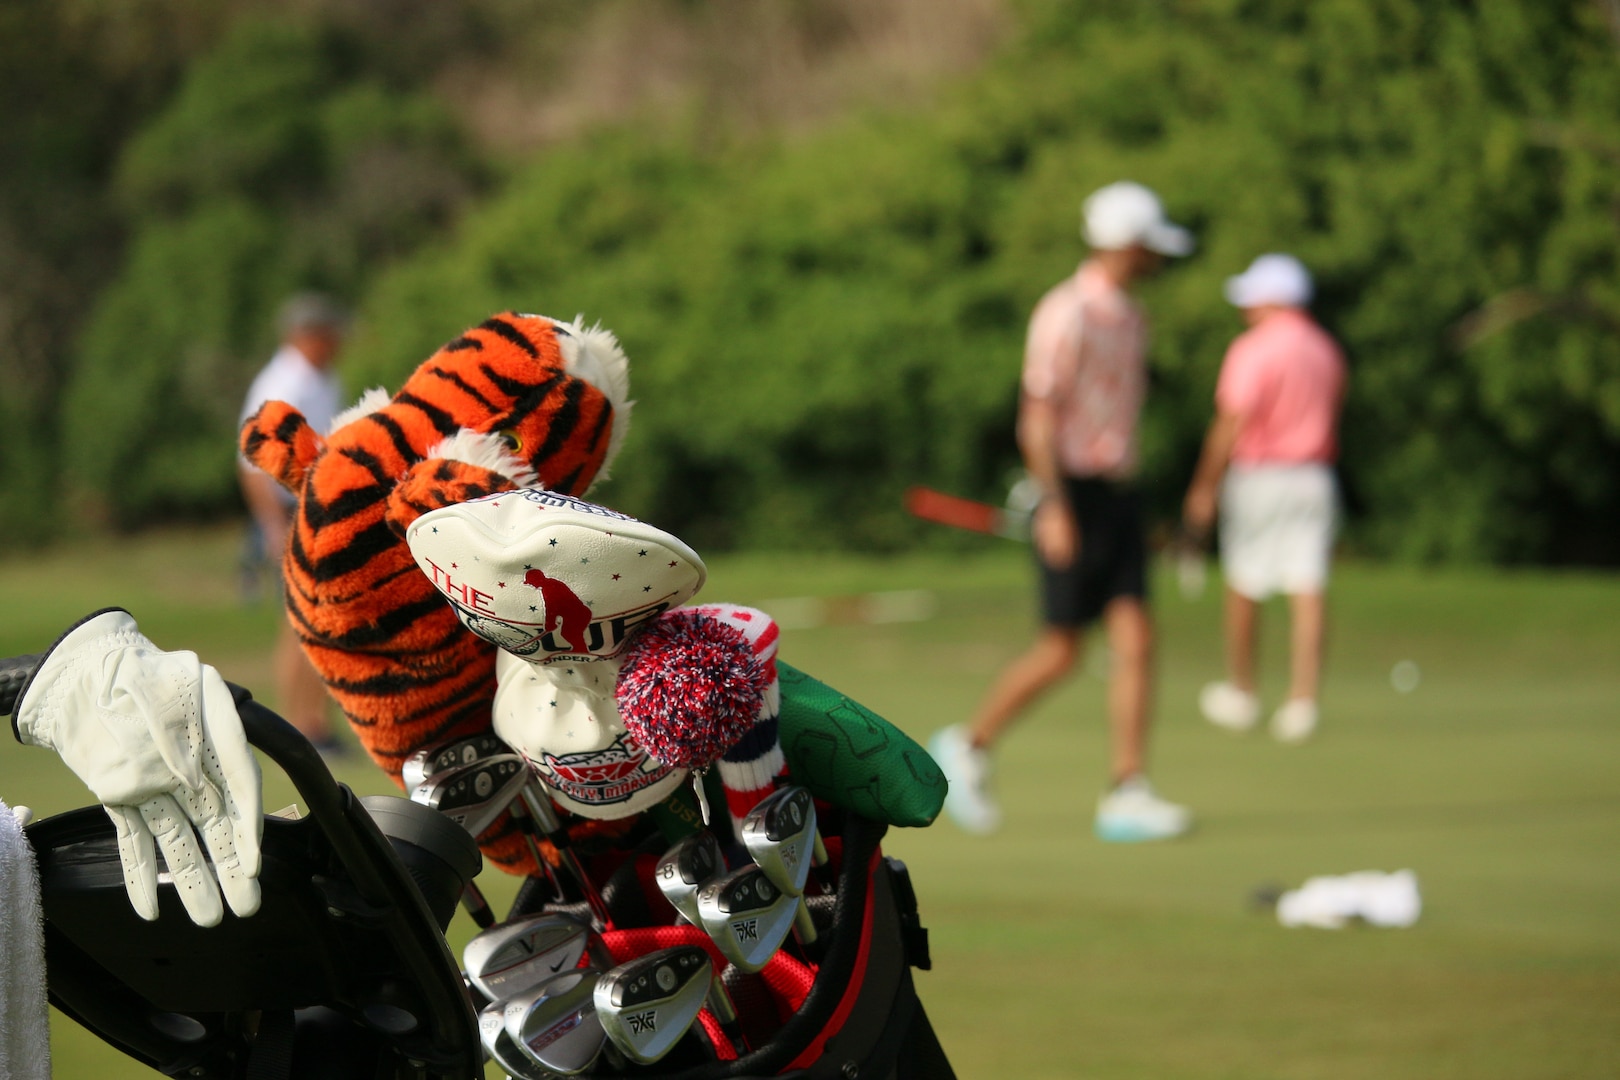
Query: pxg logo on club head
point(646, 1005)
point(747, 930)
point(746, 916)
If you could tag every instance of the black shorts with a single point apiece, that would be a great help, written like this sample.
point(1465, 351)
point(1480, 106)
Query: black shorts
point(1113, 554)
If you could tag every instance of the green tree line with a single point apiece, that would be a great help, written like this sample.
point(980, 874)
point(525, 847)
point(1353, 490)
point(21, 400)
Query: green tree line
point(818, 319)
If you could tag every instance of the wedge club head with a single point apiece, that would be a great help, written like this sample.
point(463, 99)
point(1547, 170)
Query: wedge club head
point(647, 1004)
point(473, 796)
point(441, 757)
point(518, 955)
point(686, 868)
point(555, 1025)
point(746, 916)
point(500, 1047)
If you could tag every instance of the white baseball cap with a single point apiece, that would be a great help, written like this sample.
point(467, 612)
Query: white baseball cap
point(1271, 279)
point(1125, 214)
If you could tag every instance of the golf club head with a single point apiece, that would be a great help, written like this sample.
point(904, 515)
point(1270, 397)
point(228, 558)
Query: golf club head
point(746, 916)
point(520, 954)
point(500, 1047)
point(441, 757)
point(555, 1024)
point(686, 868)
point(780, 835)
point(647, 1004)
point(473, 796)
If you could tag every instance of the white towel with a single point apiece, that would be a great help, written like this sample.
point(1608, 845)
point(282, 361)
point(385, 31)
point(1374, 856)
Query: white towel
point(1375, 898)
point(25, 1034)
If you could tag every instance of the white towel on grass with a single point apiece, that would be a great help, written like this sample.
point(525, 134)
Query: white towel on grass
point(25, 1034)
point(1369, 896)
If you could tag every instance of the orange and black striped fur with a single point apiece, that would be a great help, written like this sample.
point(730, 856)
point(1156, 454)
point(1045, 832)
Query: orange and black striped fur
point(515, 401)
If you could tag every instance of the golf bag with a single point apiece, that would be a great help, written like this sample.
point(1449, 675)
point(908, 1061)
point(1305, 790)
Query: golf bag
point(345, 974)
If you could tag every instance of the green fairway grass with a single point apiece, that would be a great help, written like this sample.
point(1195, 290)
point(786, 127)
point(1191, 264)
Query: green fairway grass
point(1497, 780)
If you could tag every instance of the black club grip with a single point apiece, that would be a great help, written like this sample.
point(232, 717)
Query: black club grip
point(14, 673)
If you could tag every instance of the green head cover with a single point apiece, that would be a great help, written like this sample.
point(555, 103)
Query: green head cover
point(851, 757)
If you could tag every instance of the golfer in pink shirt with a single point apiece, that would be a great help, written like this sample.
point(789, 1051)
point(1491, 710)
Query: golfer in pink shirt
point(1268, 462)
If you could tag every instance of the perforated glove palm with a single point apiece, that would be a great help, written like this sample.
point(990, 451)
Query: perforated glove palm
point(156, 738)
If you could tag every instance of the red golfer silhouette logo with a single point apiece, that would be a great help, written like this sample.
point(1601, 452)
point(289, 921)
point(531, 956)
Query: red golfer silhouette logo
point(566, 613)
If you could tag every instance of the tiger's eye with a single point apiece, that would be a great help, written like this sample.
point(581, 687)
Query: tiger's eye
point(511, 438)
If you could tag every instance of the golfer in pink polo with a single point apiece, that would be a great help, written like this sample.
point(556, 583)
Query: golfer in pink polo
point(1268, 462)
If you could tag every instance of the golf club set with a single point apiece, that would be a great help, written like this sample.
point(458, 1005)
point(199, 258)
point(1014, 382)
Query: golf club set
point(551, 999)
point(345, 972)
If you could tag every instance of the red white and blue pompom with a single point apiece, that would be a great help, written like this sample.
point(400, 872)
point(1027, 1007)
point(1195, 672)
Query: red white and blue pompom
point(691, 686)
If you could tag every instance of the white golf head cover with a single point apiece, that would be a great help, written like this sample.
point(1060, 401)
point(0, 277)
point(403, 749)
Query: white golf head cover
point(549, 577)
point(561, 585)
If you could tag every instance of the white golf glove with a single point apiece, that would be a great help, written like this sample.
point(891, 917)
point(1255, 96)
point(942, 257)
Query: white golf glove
point(156, 738)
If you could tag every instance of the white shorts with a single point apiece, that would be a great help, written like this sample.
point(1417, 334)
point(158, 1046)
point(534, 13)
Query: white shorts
point(1277, 526)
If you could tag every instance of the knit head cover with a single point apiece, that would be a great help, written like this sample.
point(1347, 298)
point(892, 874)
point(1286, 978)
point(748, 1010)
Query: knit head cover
point(691, 687)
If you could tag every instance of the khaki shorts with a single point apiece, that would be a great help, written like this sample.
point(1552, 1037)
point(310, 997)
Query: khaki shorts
point(1277, 527)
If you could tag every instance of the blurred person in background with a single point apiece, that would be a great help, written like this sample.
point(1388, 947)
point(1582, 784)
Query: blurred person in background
point(1267, 463)
point(312, 328)
point(1084, 380)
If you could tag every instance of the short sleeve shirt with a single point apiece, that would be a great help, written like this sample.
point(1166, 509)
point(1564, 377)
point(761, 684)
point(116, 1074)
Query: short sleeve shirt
point(290, 377)
point(1285, 378)
point(1086, 355)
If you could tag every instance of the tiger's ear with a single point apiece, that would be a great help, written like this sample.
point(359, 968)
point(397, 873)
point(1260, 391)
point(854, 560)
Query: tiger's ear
point(593, 354)
point(280, 441)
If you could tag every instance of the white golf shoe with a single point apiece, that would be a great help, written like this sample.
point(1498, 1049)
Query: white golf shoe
point(1224, 705)
point(1294, 721)
point(967, 770)
point(1132, 813)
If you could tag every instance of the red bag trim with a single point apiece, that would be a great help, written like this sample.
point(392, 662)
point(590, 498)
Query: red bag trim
point(852, 992)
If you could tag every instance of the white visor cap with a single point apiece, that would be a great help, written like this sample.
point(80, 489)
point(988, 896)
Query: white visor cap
point(1126, 214)
point(549, 577)
point(1271, 280)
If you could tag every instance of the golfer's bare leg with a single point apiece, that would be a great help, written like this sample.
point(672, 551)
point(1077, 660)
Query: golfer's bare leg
point(299, 686)
point(1052, 656)
point(1130, 682)
point(1308, 635)
point(1242, 633)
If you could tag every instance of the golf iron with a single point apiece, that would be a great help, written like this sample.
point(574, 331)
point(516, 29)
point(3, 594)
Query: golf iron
point(500, 1047)
point(781, 837)
point(686, 868)
point(474, 795)
point(647, 1004)
point(746, 916)
point(512, 957)
point(555, 1025)
point(486, 794)
point(441, 757)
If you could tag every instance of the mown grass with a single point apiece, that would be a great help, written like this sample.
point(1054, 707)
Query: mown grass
point(1058, 956)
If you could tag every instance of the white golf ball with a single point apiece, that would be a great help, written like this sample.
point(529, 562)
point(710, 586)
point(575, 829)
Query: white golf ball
point(1405, 676)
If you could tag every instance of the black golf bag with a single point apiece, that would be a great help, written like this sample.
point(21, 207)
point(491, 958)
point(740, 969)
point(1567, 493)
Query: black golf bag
point(345, 974)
